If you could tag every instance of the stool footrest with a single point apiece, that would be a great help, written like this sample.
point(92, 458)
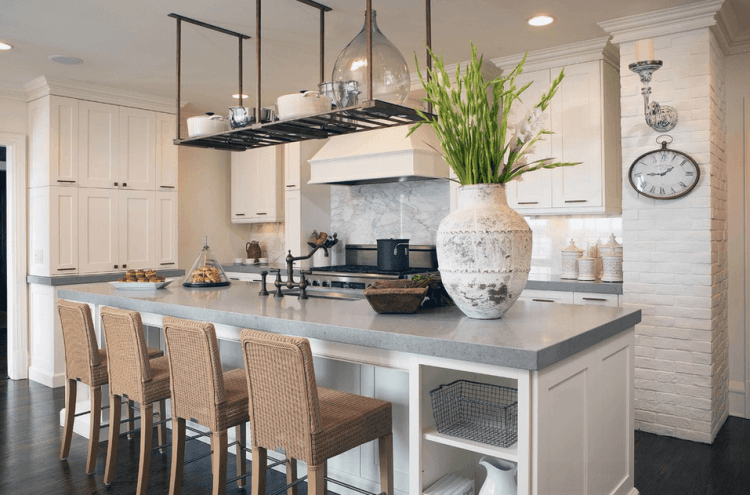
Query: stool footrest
point(350, 487)
point(187, 439)
point(89, 412)
point(293, 483)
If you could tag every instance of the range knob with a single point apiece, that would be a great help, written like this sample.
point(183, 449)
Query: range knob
point(324, 284)
point(315, 283)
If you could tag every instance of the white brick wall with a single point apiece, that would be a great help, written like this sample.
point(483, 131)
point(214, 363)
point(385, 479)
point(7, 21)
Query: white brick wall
point(675, 251)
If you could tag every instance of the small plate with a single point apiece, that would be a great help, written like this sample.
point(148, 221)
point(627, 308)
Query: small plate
point(140, 285)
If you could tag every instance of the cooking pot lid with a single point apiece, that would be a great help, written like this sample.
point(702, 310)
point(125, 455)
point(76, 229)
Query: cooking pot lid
point(393, 240)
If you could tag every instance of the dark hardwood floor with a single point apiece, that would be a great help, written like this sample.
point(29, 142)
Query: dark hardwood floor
point(30, 447)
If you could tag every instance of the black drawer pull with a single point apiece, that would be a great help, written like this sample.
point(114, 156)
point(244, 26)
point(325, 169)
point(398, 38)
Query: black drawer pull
point(116, 266)
point(239, 214)
point(528, 202)
point(543, 300)
point(117, 183)
point(594, 299)
point(576, 200)
point(65, 269)
point(66, 181)
point(261, 213)
point(164, 264)
point(291, 185)
point(167, 187)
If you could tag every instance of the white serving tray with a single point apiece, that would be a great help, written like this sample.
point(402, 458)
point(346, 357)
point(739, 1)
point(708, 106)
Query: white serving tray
point(140, 285)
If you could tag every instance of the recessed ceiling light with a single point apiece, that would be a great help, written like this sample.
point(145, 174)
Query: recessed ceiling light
point(65, 59)
point(5, 46)
point(237, 96)
point(541, 20)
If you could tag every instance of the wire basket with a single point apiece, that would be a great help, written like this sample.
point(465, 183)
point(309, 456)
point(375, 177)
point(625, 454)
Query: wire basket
point(477, 411)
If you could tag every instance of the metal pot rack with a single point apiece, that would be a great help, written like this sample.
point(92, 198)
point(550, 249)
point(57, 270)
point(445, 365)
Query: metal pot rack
point(368, 115)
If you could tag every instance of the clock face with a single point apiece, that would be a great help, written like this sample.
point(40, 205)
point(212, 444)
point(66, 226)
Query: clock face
point(664, 174)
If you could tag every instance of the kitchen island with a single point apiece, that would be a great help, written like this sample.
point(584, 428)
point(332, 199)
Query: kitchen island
point(572, 366)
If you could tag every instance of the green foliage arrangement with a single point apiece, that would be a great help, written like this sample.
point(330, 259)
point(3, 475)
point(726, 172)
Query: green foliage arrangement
point(474, 133)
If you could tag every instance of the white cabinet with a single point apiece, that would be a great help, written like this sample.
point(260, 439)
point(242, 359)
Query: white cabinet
point(546, 296)
point(308, 206)
point(137, 163)
point(98, 144)
point(581, 117)
point(166, 229)
point(53, 147)
point(53, 231)
point(99, 230)
point(137, 246)
point(166, 152)
point(257, 180)
point(595, 299)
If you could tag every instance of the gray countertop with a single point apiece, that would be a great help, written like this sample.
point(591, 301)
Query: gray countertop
point(92, 277)
point(530, 335)
point(554, 282)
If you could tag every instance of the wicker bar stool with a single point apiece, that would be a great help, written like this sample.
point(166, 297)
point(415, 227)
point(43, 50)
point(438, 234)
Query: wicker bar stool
point(203, 394)
point(133, 375)
point(86, 363)
point(289, 413)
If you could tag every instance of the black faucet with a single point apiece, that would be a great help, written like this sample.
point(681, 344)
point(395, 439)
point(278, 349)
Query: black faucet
point(290, 283)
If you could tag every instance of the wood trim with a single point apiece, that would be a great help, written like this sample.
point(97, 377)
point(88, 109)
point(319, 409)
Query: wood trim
point(18, 345)
point(746, 134)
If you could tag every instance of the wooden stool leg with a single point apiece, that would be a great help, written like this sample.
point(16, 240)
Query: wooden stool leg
point(147, 435)
point(95, 421)
point(239, 453)
point(315, 480)
point(258, 479)
point(162, 428)
point(219, 461)
point(291, 474)
point(385, 450)
point(115, 406)
point(178, 455)
point(70, 414)
point(131, 415)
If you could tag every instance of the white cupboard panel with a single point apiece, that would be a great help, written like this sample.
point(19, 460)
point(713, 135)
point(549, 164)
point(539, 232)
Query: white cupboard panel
point(64, 223)
point(546, 296)
point(267, 201)
point(293, 219)
point(99, 229)
point(166, 229)
point(242, 173)
point(53, 133)
point(98, 138)
point(292, 166)
point(166, 152)
point(137, 164)
point(137, 229)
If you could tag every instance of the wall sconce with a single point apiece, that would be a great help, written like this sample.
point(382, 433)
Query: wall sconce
point(660, 118)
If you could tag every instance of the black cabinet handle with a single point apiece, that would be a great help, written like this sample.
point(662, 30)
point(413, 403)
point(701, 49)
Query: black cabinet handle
point(543, 300)
point(167, 187)
point(116, 266)
point(261, 213)
point(594, 299)
point(117, 183)
point(164, 264)
point(124, 266)
point(66, 181)
point(239, 214)
point(124, 184)
point(576, 201)
point(528, 202)
point(65, 269)
point(291, 185)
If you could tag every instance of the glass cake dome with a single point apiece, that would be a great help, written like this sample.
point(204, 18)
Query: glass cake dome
point(206, 270)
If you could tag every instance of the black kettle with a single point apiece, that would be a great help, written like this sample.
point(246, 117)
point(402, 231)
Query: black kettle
point(393, 255)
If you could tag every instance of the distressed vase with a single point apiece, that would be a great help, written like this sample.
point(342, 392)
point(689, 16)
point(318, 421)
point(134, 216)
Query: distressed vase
point(484, 252)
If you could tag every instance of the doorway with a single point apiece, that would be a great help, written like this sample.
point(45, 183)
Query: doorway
point(3, 269)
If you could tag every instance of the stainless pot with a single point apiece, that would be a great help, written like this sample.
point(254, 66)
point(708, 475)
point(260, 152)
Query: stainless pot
point(241, 116)
point(393, 255)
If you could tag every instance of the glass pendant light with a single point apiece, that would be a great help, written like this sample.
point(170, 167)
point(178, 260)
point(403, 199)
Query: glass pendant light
point(390, 74)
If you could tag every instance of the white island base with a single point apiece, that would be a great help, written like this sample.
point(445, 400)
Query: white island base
point(575, 417)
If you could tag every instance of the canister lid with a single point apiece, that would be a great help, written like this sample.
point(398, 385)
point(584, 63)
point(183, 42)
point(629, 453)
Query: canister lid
point(612, 245)
point(572, 248)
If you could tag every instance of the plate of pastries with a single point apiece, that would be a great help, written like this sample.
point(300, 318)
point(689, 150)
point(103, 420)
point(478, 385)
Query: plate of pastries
point(206, 276)
point(141, 280)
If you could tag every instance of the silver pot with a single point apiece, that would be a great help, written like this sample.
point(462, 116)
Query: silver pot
point(346, 93)
point(241, 116)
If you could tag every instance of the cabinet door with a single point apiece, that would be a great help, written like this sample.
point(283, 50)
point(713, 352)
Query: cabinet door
point(579, 138)
point(137, 229)
point(166, 152)
point(98, 230)
point(137, 163)
point(266, 200)
point(535, 189)
point(98, 144)
point(293, 221)
point(166, 229)
point(242, 186)
point(63, 230)
point(292, 166)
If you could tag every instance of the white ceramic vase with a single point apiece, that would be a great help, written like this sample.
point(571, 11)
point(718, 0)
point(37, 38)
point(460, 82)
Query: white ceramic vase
point(484, 252)
point(500, 477)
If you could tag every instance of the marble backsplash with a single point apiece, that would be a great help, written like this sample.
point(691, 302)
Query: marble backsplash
point(270, 236)
point(407, 210)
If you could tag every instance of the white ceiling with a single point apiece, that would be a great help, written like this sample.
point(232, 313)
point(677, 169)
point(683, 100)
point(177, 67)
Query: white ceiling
point(130, 44)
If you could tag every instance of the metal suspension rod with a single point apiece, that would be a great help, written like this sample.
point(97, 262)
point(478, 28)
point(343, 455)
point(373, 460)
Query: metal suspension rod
point(257, 56)
point(207, 26)
point(368, 22)
point(240, 69)
point(322, 44)
point(428, 40)
point(179, 71)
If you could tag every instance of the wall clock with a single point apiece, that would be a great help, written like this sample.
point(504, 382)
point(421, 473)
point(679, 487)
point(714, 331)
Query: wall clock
point(664, 173)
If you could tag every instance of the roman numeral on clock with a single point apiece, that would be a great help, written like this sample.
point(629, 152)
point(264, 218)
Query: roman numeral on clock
point(661, 190)
point(690, 174)
point(683, 185)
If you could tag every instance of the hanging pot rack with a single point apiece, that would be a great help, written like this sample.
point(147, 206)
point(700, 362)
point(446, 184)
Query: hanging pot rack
point(368, 115)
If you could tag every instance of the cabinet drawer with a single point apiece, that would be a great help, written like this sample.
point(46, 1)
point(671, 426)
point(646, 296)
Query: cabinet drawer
point(595, 299)
point(548, 296)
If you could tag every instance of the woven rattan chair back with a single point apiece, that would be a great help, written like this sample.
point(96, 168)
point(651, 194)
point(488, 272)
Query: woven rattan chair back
point(196, 377)
point(79, 339)
point(283, 395)
point(126, 352)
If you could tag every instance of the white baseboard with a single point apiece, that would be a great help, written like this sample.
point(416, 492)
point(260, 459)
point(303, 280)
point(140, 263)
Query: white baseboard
point(20, 370)
point(51, 380)
point(737, 399)
point(634, 491)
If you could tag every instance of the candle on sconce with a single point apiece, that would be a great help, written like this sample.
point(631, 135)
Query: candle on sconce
point(644, 50)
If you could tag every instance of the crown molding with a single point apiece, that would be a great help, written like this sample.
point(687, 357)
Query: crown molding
point(9, 91)
point(732, 40)
point(663, 22)
point(44, 86)
point(573, 53)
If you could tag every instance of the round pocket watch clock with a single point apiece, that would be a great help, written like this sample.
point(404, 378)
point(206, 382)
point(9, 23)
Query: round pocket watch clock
point(664, 173)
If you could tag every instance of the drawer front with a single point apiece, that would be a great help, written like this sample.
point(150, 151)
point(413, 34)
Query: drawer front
point(593, 299)
point(547, 296)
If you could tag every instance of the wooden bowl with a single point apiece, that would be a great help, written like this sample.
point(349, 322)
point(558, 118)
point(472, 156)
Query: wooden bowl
point(395, 296)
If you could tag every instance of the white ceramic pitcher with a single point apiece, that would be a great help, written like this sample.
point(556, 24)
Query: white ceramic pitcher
point(500, 477)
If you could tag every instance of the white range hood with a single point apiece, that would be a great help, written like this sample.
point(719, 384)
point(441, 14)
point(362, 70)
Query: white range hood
point(384, 155)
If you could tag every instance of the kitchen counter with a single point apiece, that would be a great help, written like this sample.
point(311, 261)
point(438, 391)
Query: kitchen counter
point(528, 337)
point(571, 366)
point(554, 282)
point(92, 277)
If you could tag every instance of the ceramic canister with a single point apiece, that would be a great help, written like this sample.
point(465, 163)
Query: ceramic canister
point(612, 245)
point(612, 266)
point(587, 269)
point(570, 256)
